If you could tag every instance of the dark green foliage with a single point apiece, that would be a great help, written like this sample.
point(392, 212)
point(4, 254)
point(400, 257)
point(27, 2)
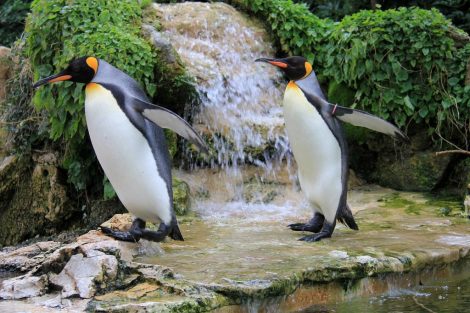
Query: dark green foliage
point(335, 9)
point(456, 10)
point(12, 16)
point(59, 30)
point(298, 31)
point(404, 66)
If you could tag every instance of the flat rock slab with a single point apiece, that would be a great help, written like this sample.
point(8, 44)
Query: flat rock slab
point(398, 232)
point(229, 258)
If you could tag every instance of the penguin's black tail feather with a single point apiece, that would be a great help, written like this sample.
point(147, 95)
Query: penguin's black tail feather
point(175, 233)
point(347, 218)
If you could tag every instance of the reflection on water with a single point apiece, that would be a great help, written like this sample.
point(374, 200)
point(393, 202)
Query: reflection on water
point(445, 290)
point(445, 296)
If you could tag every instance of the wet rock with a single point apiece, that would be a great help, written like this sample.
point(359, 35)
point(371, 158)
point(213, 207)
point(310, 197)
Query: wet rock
point(236, 97)
point(176, 90)
point(23, 287)
point(5, 68)
point(26, 258)
point(161, 43)
point(51, 195)
point(119, 221)
point(33, 196)
point(89, 265)
point(82, 276)
point(250, 259)
point(255, 191)
point(181, 197)
point(466, 203)
point(418, 172)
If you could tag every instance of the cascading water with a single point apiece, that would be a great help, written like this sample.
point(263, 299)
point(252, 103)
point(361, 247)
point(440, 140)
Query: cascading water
point(241, 105)
point(240, 100)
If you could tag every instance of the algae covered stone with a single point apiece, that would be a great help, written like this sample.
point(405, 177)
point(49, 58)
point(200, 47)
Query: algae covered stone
point(181, 197)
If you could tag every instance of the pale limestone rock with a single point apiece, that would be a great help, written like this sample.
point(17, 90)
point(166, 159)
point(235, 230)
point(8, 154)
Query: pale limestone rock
point(25, 286)
point(119, 221)
point(83, 276)
point(26, 258)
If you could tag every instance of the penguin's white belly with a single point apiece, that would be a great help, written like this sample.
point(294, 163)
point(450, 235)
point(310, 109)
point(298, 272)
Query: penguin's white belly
point(126, 157)
point(316, 151)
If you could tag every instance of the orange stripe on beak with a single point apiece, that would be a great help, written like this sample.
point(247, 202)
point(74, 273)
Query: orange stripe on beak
point(60, 78)
point(278, 64)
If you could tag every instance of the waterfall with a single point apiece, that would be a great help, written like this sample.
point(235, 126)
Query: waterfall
point(241, 109)
point(240, 99)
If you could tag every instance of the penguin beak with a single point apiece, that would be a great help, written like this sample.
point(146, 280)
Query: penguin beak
point(274, 62)
point(52, 79)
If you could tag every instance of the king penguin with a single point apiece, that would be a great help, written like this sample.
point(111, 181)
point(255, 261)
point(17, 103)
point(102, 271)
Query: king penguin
point(319, 146)
point(126, 133)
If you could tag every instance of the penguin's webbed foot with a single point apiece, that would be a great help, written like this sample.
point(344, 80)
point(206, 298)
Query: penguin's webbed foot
point(314, 225)
point(138, 231)
point(158, 235)
point(326, 232)
point(315, 237)
point(119, 235)
point(304, 227)
point(133, 235)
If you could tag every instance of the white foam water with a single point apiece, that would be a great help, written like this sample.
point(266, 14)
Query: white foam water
point(241, 100)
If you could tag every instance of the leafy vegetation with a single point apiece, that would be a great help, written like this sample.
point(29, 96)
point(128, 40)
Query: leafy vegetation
point(404, 67)
point(298, 31)
point(456, 10)
point(58, 31)
point(400, 64)
point(335, 9)
point(12, 16)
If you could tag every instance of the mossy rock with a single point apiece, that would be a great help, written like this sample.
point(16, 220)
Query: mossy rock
point(172, 142)
point(33, 198)
point(418, 172)
point(181, 197)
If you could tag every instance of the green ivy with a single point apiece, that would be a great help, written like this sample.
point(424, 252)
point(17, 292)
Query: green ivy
point(404, 67)
point(400, 64)
point(298, 31)
point(60, 30)
point(12, 15)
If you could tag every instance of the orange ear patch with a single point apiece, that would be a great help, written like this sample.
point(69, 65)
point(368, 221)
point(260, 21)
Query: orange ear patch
point(308, 69)
point(93, 63)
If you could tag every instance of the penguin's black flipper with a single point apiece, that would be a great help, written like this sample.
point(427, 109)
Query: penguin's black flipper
point(364, 119)
point(167, 119)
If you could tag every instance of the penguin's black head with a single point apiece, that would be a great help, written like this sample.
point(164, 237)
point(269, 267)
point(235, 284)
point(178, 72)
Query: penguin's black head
point(81, 70)
point(295, 67)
